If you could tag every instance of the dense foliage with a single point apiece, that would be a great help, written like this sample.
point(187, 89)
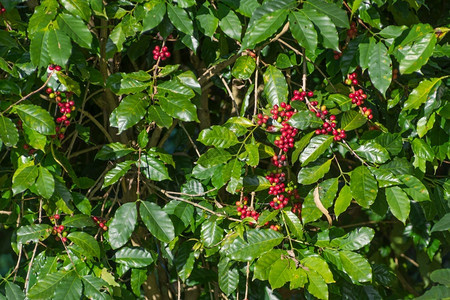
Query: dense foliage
point(235, 149)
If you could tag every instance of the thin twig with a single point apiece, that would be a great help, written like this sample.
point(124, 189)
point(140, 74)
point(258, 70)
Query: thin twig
point(310, 61)
point(410, 260)
point(31, 93)
point(97, 123)
point(190, 139)
point(255, 108)
point(246, 281)
point(4, 212)
point(231, 95)
point(304, 70)
point(354, 153)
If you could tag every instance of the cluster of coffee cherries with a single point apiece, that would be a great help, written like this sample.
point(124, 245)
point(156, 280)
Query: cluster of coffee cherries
point(352, 79)
point(161, 53)
point(100, 222)
point(66, 107)
point(58, 230)
point(281, 200)
point(352, 32)
point(279, 161)
point(337, 54)
point(299, 95)
point(275, 227)
point(28, 148)
point(297, 209)
point(244, 211)
point(276, 179)
point(358, 97)
point(54, 67)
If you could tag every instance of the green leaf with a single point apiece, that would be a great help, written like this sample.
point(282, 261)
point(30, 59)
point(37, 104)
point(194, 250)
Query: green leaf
point(180, 108)
point(244, 67)
point(228, 276)
point(303, 30)
point(280, 273)
point(305, 119)
point(263, 28)
point(70, 288)
point(336, 14)
point(138, 277)
point(92, 287)
point(380, 67)
point(327, 192)
point(86, 242)
point(356, 239)
point(319, 265)
point(24, 178)
point(211, 233)
point(130, 111)
point(265, 262)
point(356, 266)
point(45, 183)
point(413, 56)
point(13, 291)
point(133, 257)
point(398, 202)
point(122, 225)
point(153, 168)
point(156, 114)
point(300, 145)
point(253, 154)
point(344, 102)
point(46, 286)
point(180, 19)
point(391, 142)
point(298, 278)
point(436, 292)
point(78, 221)
point(327, 28)
point(34, 138)
point(69, 83)
point(128, 83)
point(207, 21)
point(113, 151)
point(117, 172)
point(316, 285)
point(154, 15)
point(32, 233)
point(415, 188)
point(218, 136)
point(184, 261)
point(294, 224)
point(316, 147)
point(214, 157)
point(59, 47)
point(258, 242)
point(8, 132)
point(314, 173)
point(441, 276)
point(37, 118)
point(157, 221)
point(229, 22)
point(78, 8)
point(275, 86)
point(373, 152)
point(364, 186)
point(343, 201)
point(39, 49)
point(76, 29)
point(421, 93)
point(352, 120)
point(384, 177)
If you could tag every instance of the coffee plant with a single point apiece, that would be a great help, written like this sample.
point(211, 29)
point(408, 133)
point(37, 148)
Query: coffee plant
point(235, 149)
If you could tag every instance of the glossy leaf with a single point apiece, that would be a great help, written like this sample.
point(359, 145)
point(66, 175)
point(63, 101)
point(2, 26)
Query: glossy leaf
point(319, 265)
point(305, 119)
point(24, 178)
point(316, 147)
point(265, 262)
point(59, 47)
point(229, 22)
point(420, 94)
point(326, 27)
point(356, 239)
point(275, 86)
point(343, 201)
point(130, 111)
point(122, 225)
point(373, 152)
point(415, 188)
point(78, 8)
point(86, 242)
point(154, 15)
point(356, 266)
point(8, 132)
point(92, 287)
point(153, 168)
point(36, 118)
point(352, 120)
point(336, 14)
point(133, 257)
point(313, 173)
point(157, 221)
point(45, 183)
point(211, 233)
point(113, 151)
point(180, 19)
point(303, 30)
point(47, 286)
point(244, 67)
point(263, 28)
point(76, 29)
point(39, 49)
point(128, 83)
point(180, 108)
point(228, 276)
point(294, 224)
point(413, 56)
point(78, 221)
point(280, 273)
point(218, 136)
point(253, 155)
point(117, 172)
point(156, 114)
point(33, 233)
point(13, 291)
point(398, 202)
point(364, 186)
point(316, 285)
point(258, 242)
point(214, 157)
point(380, 67)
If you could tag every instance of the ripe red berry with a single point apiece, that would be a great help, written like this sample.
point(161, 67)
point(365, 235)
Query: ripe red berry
point(56, 217)
point(58, 68)
point(310, 94)
point(49, 90)
point(64, 239)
